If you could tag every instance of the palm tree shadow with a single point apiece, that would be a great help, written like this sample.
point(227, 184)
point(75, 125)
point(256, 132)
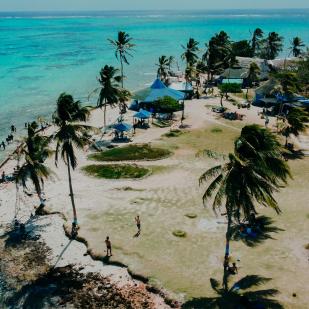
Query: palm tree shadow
point(237, 297)
point(261, 231)
point(293, 155)
point(62, 252)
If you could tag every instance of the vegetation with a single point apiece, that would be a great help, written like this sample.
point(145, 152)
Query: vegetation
point(189, 54)
point(163, 65)
point(109, 88)
point(123, 47)
point(35, 153)
point(256, 41)
point(70, 133)
point(173, 133)
point(167, 105)
point(116, 171)
point(242, 48)
point(131, 153)
point(250, 176)
point(271, 46)
point(228, 88)
point(296, 47)
point(253, 73)
point(179, 233)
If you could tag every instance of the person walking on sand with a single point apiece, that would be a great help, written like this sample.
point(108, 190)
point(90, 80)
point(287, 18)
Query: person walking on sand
point(138, 224)
point(3, 145)
point(108, 246)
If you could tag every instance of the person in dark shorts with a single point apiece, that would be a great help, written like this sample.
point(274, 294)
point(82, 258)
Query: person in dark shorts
point(138, 223)
point(108, 246)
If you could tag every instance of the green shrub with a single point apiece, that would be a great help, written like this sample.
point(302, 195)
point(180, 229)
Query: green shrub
point(116, 171)
point(173, 133)
point(179, 233)
point(216, 130)
point(230, 88)
point(191, 215)
point(131, 153)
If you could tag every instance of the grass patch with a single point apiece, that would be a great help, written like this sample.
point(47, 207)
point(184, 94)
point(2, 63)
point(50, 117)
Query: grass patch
point(173, 133)
point(179, 233)
point(191, 215)
point(216, 130)
point(131, 153)
point(116, 171)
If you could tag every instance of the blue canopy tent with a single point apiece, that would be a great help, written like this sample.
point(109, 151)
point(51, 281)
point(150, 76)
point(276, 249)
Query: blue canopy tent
point(122, 127)
point(159, 90)
point(142, 114)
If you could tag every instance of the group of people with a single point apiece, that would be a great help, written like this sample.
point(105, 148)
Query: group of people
point(9, 138)
point(108, 242)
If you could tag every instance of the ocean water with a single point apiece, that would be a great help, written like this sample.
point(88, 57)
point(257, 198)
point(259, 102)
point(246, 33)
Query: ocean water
point(44, 54)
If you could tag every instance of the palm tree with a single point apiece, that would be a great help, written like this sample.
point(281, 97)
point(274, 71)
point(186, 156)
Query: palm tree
point(70, 134)
point(109, 88)
point(256, 40)
point(35, 153)
point(272, 46)
point(297, 120)
point(189, 54)
point(253, 73)
point(296, 47)
point(238, 296)
point(250, 176)
point(124, 96)
point(163, 65)
point(171, 60)
point(123, 46)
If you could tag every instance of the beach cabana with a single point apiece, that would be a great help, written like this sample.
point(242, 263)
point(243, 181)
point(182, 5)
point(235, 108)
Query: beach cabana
point(159, 90)
point(139, 119)
point(142, 114)
point(120, 128)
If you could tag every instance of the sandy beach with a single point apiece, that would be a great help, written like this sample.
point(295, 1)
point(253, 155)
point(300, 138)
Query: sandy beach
point(180, 266)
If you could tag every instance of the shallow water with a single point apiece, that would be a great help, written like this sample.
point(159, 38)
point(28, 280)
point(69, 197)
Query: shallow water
point(44, 54)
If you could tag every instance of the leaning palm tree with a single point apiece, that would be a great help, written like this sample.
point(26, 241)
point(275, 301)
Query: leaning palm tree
point(189, 54)
point(70, 134)
point(249, 176)
point(123, 45)
point(272, 46)
point(238, 296)
point(109, 88)
point(35, 152)
point(124, 96)
point(296, 47)
point(163, 65)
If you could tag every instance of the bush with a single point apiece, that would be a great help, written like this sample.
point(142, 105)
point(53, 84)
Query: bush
point(131, 153)
point(230, 88)
point(167, 105)
point(116, 171)
point(179, 233)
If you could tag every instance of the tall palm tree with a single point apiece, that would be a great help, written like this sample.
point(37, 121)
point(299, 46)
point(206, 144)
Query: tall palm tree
point(272, 46)
point(109, 88)
point(171, 60)
point(123, 45)
point(296, 47)
point(189, 54)
point(70, 134)
point(256, 40)
point(163, 65)
point(35, 152)
point(250, 176)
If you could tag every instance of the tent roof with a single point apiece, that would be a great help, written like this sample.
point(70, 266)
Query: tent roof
point(159, 90)
point(122, 126)
point(142, 114)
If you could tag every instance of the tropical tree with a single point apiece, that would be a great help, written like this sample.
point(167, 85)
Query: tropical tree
point(249, 176)
point(35, 152)
point(163, 65)
point(190, 52)
point(109, 89)
point(253, 73)
point(242, 48)
point(297, 121)
point(123, 47)
point(123, 97)
point(296, 47)
point(302, 73)
point(256, 41)
point(70, 134)
point(171, 60)
point(272, 46)
point(238, 296)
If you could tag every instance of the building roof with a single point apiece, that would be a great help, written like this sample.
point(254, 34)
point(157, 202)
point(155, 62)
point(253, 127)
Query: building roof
point(159, 90)
point(235, 73)
point(232, 81)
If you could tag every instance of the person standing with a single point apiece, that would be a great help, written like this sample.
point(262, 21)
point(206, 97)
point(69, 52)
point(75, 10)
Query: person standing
point(138, 224)
point(108, 246)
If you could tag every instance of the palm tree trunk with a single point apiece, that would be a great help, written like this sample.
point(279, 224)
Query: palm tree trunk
point(121, 65)
point(71, 191)
point(227, 250)
point(105, 115)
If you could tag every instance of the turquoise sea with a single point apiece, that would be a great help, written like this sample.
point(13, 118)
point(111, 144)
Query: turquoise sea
point(44, 54)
